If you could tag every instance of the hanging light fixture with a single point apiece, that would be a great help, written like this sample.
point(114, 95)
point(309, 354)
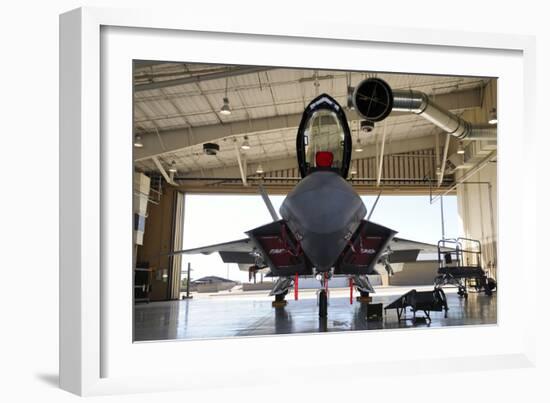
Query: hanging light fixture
point(358, 146)
point(245, 145)
point(460, 149)
point(173, 167)
point(225, 109)
point(260, 169)
point(493, 117)
point(137, 141)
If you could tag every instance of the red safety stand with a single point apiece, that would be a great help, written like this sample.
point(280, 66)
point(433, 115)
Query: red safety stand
point(296, 286)
point(350, 291)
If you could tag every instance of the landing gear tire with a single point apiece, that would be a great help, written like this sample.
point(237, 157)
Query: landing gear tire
point(280, 297)
point(323, 304)
point(490, 286)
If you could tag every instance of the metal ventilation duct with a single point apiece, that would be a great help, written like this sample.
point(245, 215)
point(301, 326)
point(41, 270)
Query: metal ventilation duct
point(419, 103)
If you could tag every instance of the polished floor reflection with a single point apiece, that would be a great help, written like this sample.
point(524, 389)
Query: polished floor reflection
point(227, 317)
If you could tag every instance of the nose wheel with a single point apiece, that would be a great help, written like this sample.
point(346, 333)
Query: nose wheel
point(323, 304)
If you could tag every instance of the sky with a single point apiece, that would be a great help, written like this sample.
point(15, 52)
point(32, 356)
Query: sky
point(211, 219)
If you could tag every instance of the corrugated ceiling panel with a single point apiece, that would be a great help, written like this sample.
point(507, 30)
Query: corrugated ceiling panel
point(277, 75)
point(172, 123)
point(287, 92)
point(146, 108)
point(290, 108)
point(214, 85)
point(245, 80)
point(203, 119)
point(147, 95)
point(145, 126)
point(258, 101)
point(163, 108)
point(192, 104)
point(262, 112)
point(139, 114)
point(190, 88)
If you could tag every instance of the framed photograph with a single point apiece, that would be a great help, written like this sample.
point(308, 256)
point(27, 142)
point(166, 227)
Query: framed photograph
point(231, 196)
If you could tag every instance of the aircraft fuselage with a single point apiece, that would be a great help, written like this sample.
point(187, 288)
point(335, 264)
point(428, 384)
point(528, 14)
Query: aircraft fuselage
point(323, 212)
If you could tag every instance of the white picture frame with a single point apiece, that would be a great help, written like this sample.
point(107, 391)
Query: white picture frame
point(96, 46)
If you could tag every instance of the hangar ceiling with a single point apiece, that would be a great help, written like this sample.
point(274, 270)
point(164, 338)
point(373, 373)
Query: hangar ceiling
point(177, 109)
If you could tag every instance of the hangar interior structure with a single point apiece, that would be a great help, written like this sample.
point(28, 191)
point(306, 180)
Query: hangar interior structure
point(218, 129)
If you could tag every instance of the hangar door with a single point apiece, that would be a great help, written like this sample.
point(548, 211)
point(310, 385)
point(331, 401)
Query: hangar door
point(174, 282)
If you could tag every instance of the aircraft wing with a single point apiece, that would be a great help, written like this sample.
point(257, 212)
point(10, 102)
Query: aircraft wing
point(238, 251)
point(398, 244)
point(406, 250)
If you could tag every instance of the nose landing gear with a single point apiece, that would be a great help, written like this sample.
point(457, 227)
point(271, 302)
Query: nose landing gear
point(323, 296)
point(323, 304)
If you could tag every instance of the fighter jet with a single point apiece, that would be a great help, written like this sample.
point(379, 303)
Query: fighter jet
point(323, 231)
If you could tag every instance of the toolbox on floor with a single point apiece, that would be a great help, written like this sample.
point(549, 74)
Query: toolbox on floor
point(374, 311)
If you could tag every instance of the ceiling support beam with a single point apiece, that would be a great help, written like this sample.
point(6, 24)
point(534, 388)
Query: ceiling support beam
point(179, 139)
point(168, 178)
point(437, 155)
point(268, 203)
point(489, 158)
point(242, 165)
point(235, 171)
point(381, 160)
point(283, 163)
point(239, 71)
point(444, 160)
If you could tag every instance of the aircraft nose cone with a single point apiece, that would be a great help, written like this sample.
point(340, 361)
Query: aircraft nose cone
point(323, 211)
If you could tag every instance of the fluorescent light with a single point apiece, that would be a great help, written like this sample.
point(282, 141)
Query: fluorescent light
point(225, 109)
point(137, 141)
point(173, 167)
point(460, 149)
point(493, 117)
point(260, 169)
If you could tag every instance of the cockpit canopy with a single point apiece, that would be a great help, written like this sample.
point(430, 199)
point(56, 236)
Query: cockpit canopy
point(323, 141)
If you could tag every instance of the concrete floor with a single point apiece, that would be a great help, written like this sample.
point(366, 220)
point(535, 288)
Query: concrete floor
point(251, 314)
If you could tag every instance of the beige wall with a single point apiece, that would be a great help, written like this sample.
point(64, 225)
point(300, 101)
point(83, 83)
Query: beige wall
point(477, 202)
point(477, 207)
point(157, 242)
point(415, 273)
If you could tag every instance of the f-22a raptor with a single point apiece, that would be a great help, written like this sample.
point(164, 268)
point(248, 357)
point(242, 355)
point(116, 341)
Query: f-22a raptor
point(323, 231)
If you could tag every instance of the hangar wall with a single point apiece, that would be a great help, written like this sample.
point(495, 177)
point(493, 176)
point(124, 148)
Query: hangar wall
point(477, 197)
point(162, 232)
point(415, 273)
point(477, 208)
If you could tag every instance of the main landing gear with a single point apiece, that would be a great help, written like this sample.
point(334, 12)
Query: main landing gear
point(279, 301)
point(279, 291)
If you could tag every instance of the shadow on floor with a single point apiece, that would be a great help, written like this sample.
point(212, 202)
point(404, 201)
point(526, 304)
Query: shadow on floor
point(49, 379)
